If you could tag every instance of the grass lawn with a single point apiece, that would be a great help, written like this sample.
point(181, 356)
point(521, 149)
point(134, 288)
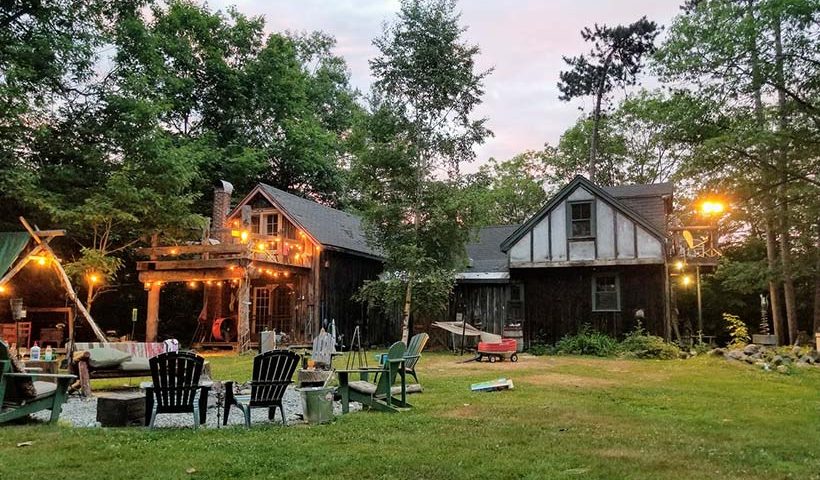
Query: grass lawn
point(568, 417)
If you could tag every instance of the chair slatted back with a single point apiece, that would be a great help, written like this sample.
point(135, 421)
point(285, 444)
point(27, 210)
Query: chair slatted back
point(176, 380)
point(417, 344)
point(386, 378)
point(272, 373)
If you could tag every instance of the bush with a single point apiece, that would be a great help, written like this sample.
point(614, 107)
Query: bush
point(587, 342)
point(639, 344)
point(737, 330)
point(539, 349)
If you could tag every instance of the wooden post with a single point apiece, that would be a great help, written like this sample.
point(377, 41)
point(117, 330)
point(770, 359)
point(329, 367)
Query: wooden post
point(152, 309)
point(667, 304)
point(152, 313)
point(243, 312)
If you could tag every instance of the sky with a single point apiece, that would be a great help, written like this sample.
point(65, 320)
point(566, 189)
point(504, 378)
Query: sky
point(523, 40)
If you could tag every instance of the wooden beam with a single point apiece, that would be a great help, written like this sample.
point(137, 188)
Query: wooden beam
point(50, 233)
point(20, 264)
point(66, 282)
point(167, 276)
point(152, 313)
point(192, 249)
point(212, 263)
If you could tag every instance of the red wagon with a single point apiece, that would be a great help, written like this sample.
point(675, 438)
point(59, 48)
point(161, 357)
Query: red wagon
point(498, 351)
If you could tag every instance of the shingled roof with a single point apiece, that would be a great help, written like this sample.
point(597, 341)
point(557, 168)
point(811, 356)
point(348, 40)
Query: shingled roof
point(485, 252)
point(329, 226)
point(651, 201)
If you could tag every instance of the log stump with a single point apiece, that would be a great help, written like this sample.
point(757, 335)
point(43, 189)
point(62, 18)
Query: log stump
point(121, 409)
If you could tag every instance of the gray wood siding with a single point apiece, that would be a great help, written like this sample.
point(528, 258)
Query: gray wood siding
point(617, 239)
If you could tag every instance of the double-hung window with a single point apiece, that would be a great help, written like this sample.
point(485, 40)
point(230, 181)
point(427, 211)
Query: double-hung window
point(581, 220)
point(606, 293)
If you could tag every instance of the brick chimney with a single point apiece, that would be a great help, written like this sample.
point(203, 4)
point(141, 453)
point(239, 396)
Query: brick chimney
point(222, 206)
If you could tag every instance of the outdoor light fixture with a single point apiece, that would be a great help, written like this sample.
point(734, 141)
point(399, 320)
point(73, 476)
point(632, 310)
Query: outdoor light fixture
point(679, 265)
point(687, 280)
point(93, 278)
point(243, 236)
point(192, 284)
point(710, 207)
point(2, 289)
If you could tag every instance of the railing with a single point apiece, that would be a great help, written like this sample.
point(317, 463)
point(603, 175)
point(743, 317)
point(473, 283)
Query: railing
point(695, 243)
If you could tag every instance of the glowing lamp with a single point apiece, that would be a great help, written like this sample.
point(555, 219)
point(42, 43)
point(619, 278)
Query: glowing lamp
point(679, 265)
point(2, 289)
point(712, 207)
point(260, 246)
point(243, 236)
point(192, 284)
point(93, 278)
point(687, 280)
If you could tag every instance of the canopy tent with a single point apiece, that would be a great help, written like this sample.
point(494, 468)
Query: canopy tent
point(12, 245)
point(14, 255)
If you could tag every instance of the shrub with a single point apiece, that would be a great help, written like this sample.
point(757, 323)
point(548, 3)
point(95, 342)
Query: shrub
point(737, 330)
point(639, 344)
point(587, 342)
point(539, 349)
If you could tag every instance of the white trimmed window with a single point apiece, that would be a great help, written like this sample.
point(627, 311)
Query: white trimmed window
point(606, 293)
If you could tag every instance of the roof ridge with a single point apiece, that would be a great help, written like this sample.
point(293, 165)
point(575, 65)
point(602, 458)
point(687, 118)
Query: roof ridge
point(279, 190)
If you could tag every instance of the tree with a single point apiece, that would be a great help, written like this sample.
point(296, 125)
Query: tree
point(511, 191)
point(424, 92)
point(754, 60)
point(615, 60)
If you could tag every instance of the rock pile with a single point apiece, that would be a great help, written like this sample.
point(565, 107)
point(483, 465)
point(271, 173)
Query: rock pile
point(780, 359)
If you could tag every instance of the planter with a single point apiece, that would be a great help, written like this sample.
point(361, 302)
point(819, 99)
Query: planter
point(767, 340)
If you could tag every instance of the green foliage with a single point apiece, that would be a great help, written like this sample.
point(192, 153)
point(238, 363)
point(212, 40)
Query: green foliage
point(431, 292)
point(540, 349)
point(511, 191)
point(587, 342)
point(639, 344)
point(420, 126)
point(737, 329)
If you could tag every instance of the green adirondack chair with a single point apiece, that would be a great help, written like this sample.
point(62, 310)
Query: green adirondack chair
point(413, 353)
point(380, 394)
point(50, 396)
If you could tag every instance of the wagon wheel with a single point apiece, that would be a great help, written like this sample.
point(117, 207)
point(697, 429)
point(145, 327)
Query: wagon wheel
point(514, 357)
point(493, 358)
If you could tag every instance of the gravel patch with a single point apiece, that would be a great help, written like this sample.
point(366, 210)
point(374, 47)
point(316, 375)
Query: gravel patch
point(82, 412)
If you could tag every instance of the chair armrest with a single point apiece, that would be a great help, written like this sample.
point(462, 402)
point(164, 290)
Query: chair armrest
point(33, 369)
point(360, 370)
point(40, 375)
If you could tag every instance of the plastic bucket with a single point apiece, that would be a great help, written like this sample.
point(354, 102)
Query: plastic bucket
point(317, 404)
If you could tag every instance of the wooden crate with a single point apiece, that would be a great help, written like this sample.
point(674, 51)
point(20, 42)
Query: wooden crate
point(121, 409)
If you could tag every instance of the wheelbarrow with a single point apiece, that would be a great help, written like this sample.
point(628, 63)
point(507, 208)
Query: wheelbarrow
point(494, 352)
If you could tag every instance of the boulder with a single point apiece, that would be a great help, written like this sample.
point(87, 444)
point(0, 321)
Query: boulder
point(797, 351)
point(751, 349)
point(777, 360)
point(756, 356)
point(718, 352)
point(782, 369)
point(736, 355)
point(806, 359)
point(815, 355)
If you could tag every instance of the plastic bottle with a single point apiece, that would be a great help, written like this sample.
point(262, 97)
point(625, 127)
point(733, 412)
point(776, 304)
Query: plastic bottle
point(34, 354)
point(49, 355)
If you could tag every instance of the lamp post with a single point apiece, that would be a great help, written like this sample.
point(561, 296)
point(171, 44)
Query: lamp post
point(710, 209)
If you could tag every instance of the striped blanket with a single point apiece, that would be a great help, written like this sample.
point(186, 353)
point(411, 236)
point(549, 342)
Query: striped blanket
point(135, 349)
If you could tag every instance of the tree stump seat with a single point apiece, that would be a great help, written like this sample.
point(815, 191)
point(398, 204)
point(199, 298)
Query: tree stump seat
point(121, 409)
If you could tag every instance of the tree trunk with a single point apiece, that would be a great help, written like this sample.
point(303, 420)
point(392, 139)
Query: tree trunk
point(405, 317)
point(593, 140)
point(774, 284)
point(817, 284)
point(783, 194)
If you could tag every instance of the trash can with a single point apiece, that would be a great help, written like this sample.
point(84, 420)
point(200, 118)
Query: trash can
point(317, 404)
